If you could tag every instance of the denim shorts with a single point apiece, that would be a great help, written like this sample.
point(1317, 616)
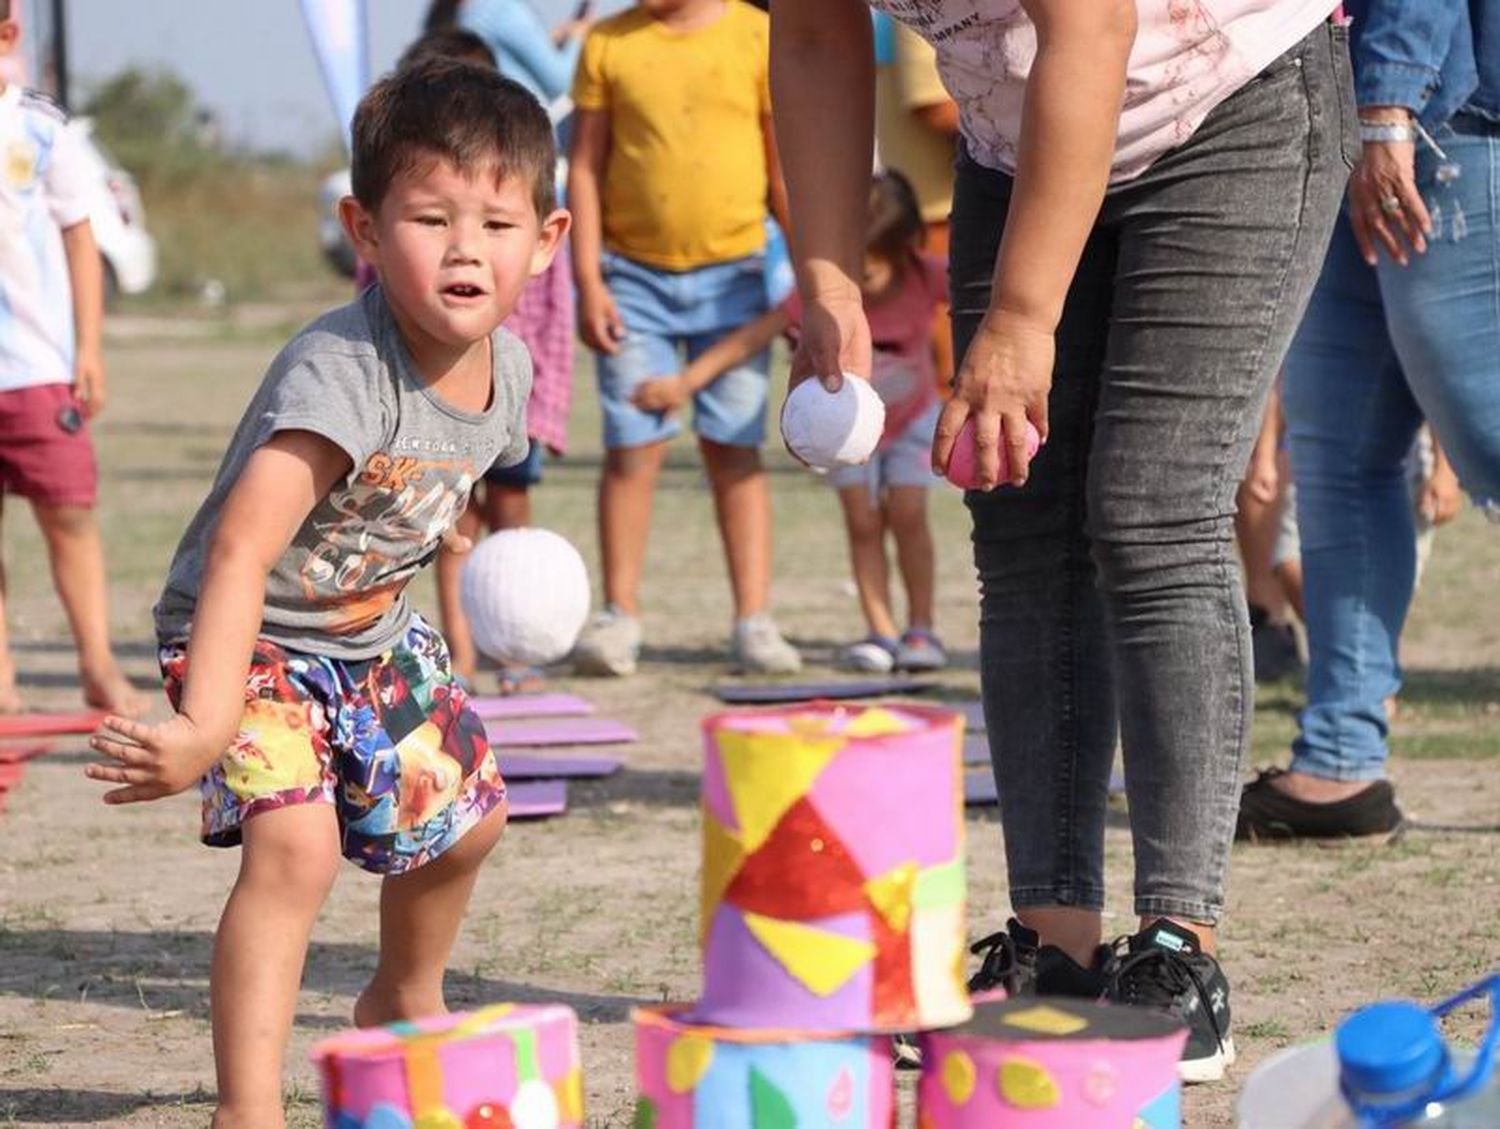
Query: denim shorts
point(671, 318)
point(905, 461)
point(527, 472)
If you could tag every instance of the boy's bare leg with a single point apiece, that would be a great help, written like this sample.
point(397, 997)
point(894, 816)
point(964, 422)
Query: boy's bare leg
point(77, 559)
point(288, 864)
point(865, 525)
point(742, 501)
point(420, 912)
point(10, 700)
point(450, 565)
point(906, 515)
point(626, 490)
point(507, 507)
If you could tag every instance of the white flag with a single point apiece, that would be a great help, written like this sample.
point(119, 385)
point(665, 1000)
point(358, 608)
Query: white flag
point(337, 28)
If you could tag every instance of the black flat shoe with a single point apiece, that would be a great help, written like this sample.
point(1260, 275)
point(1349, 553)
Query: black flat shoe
point(1267, 813)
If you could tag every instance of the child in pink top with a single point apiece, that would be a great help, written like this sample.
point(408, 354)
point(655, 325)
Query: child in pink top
point(902, 291)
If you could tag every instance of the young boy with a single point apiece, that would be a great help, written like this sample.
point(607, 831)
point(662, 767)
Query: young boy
point(318, 709)
point(51, 370)
point(672, 164)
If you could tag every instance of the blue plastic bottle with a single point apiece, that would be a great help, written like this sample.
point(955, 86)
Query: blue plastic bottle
point(1386, 1067)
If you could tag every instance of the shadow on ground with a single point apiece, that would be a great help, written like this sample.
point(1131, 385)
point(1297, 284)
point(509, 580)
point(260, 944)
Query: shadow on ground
point(167, 971)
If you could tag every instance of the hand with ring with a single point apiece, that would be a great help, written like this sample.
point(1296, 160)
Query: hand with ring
point(1385, 208)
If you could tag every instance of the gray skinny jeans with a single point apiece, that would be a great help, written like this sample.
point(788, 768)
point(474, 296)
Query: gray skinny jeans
point(1110, 596)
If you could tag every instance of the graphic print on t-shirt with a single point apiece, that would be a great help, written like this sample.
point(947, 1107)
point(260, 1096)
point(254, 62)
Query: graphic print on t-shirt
point(410, 495)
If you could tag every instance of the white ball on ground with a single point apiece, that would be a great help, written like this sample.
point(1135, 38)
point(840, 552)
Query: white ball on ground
point(833, 429)
point(525, 593)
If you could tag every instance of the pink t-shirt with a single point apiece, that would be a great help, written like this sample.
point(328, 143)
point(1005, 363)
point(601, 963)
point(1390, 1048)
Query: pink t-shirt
point(1189, 56)
point(902, 368)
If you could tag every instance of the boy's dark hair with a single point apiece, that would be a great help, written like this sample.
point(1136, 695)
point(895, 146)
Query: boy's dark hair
point(894, 230)
point(4, 9)
point(457, 112)
point(448, 43)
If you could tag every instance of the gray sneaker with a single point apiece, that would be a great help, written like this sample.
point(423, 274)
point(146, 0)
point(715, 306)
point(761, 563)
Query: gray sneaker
point(609, 646)
point(758, 648)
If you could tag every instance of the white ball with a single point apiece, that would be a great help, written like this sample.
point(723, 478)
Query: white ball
point(833, 429)
point(526, 595)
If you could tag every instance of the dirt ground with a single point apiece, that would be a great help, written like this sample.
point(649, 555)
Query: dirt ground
point(107, 916)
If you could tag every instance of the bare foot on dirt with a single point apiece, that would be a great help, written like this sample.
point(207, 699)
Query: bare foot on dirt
point(110, 690)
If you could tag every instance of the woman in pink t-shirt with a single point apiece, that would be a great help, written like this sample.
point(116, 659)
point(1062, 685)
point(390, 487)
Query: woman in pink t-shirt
point(1143, 197)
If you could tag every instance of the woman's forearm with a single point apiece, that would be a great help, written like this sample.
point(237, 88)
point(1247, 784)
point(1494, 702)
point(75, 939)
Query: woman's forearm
point(1067, 145)
point(822, 95)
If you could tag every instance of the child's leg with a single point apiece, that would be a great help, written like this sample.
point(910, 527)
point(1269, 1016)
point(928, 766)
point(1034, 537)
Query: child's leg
point(865, 526)
point(288, 864)
point(77, 559)
point(906, 516)
point(10, 700)
point(742, 502)
point(449, 568)
point(626, 490)
point(420, 912)
point(507, 507)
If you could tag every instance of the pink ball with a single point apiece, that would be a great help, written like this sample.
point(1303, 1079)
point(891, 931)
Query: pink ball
point(963, 468)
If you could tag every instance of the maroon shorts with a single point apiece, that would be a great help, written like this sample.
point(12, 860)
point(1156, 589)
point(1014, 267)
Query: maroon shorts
point(45, 450)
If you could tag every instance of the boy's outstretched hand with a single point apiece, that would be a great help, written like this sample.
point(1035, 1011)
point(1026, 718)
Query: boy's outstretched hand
point(150, 761)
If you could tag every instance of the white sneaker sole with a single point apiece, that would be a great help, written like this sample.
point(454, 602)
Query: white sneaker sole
point(1210, 1069)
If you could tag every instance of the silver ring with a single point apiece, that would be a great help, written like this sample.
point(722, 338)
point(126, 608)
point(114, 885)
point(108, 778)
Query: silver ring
point(1390, 205)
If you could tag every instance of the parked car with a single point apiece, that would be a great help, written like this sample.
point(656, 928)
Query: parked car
point(118, 219)
point(337, 249)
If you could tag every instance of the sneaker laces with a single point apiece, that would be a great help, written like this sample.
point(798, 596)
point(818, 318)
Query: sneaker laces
point(1155, 977)
point(1000, 962)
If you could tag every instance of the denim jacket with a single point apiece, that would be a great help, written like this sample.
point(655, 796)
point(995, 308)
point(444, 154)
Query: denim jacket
point(1434, 57)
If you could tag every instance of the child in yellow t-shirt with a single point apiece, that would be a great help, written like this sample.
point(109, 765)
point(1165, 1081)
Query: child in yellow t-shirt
point(672, 167)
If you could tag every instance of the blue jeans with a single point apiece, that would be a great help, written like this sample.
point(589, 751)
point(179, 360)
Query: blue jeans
point(1380, 349)
point(1110, 598)
point(672, 317)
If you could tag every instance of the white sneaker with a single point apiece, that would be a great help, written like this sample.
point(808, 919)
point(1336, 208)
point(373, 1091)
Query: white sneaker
point(871, 655)
point(758, 648)
point(609, 646)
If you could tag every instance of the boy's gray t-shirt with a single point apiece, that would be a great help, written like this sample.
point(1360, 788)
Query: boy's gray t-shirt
point(339, 589)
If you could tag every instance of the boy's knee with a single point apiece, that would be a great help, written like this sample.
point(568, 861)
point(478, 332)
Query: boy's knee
point(300, 855)
point(64, 521)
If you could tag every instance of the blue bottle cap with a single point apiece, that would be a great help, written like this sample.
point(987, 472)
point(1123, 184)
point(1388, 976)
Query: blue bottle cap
point(1389, 1048)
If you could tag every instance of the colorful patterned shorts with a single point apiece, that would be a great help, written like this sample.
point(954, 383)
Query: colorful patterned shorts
point(390, 742)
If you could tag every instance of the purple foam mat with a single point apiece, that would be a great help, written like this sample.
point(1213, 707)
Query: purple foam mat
point(781, 693)
point(976, 749)
point(518, 766)
point(972, 713)
point(524, 734)
point(980, 790)
point(537, 799)
point(531, 705)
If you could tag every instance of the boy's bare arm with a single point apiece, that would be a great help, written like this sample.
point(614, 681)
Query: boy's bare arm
point(599, 322)
point(278, 488)
point(86, 275)
point(665, 393)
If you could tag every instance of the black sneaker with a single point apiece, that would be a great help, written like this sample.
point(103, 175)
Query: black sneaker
point(1007, 960)
point(1162, 967)
point(1266, 812)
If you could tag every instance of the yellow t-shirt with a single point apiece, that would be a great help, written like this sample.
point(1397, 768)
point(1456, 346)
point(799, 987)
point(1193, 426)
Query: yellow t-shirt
point(685, 180)
point(907, 144)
